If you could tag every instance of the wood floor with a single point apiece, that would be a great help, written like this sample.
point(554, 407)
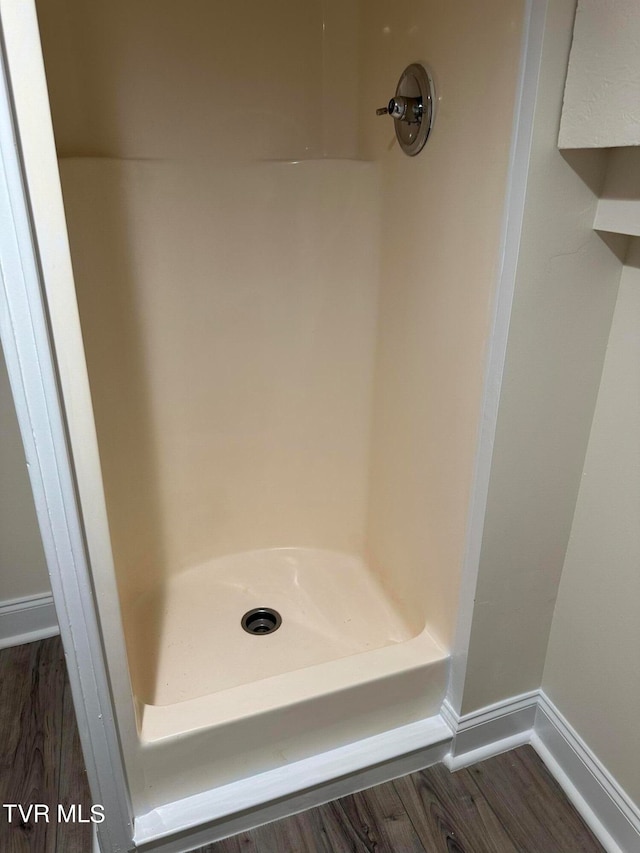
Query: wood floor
point(509, 804)
point(40, 757)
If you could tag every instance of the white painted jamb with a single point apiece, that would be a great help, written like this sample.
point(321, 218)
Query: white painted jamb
point(34, 381)
point(521, 141)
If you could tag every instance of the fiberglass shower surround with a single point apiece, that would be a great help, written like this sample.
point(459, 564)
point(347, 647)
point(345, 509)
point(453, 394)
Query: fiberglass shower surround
point(284, 414)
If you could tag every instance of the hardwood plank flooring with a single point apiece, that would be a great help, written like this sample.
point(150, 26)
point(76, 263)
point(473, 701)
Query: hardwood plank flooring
point(40, 757)
point(379, 820)
point(527, 801)
point(73, 788)
point(508, 804)
point(449, 813)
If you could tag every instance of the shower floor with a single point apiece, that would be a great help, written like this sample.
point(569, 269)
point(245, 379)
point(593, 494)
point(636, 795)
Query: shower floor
point(331, 607)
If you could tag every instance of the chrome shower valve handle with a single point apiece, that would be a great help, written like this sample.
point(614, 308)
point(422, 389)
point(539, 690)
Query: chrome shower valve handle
point(403, 109)
point(411, 108)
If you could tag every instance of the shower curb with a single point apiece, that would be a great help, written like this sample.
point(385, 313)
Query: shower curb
point(208, 817)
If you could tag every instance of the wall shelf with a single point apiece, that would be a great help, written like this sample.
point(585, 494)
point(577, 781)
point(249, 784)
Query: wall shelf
point(621, 216)
point(618, 208)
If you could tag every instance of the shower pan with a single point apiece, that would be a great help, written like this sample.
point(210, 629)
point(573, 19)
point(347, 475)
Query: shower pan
point(269, 327)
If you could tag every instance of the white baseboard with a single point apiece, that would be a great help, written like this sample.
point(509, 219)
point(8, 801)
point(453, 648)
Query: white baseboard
point(205, 818)
point(529, 718)
point(490, 731)
point(603, 804)
point(25, 620)
point(532, 718)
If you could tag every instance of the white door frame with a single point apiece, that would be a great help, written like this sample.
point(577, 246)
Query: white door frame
point(35, 378)
point(513, 216)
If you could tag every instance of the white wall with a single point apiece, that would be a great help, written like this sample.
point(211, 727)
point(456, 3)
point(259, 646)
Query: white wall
point(591, 671)
point(558, 596)
point(602, 96)
point(23, 570)
point(566, 286)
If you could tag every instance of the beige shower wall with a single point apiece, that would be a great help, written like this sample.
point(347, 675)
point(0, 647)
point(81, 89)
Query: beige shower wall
point(595, 634)
point(233, 79)
point(441, 223)
point(299, 270)
point(229, 319)
point(228, 312)
point(23, 570)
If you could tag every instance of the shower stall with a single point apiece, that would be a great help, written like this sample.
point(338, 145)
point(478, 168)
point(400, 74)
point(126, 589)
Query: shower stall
point(283, 320)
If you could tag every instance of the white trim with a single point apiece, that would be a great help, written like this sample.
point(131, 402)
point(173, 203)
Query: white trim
point(450, 717)
point(25, 620)
point(532, 718)
point(212, 815)
point(518, 174)
point(490, 731)
point(604, 805)
point(27, 151)
point(529, 718)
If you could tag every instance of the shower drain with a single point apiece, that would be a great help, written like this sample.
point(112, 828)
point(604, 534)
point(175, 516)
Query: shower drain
point(261, 620)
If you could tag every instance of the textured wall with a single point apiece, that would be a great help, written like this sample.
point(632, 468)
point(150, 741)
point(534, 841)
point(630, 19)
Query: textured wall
point(591, 671)
point(565, 292)
point(602, 96)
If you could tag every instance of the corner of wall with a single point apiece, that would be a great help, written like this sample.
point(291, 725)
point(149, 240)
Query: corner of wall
point(566, 285)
